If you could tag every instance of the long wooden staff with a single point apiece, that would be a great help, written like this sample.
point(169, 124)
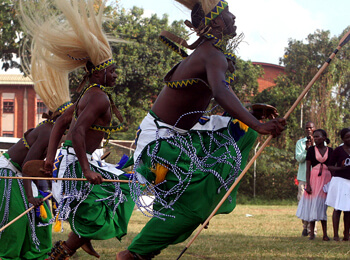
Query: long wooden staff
point(342, 42)
point(21, 215)
point(59, 179)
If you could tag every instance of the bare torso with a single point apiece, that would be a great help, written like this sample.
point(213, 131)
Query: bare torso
point(171, 104)
point(85, 114)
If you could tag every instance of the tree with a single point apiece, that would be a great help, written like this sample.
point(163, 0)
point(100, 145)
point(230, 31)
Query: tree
point(326, 103)
point(142, 59)
point(10, 35)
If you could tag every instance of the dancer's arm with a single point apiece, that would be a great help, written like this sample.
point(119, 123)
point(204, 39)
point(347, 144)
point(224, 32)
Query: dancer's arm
point(216, 67)
point(61, 125)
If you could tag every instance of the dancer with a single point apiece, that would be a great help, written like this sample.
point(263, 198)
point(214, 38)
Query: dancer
point(74, 38)
point(25, 238)
point(188, 166)
point(312, 205)
point(339, 187)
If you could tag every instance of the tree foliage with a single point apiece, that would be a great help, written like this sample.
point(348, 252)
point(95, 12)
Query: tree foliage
point(10, 35)
point(326, 104)
point(142, 60)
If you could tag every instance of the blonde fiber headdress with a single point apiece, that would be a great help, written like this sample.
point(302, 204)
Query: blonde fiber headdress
point(50, 84)
point(70, 30)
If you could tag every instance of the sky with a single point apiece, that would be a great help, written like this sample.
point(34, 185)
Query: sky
point(266, 24)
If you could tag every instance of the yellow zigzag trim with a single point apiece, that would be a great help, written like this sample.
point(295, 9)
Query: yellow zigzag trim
point(173, 46)
point(107, 129)
point(182, 83)
point(63, 107)
point(231, 78)
point(58, 159)
point(103, 65)
point(215, 12)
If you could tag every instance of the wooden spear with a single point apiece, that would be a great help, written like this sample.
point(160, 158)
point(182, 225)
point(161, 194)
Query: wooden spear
point(59, 179)
point(342, 42)
point(21, 215)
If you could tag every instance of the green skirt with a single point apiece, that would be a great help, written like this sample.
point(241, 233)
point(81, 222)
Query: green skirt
point(194, 184)
point(97, 212)
point(26, 238)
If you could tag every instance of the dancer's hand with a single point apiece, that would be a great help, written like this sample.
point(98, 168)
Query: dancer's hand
point(273, 127)
point(35, 201)
point(48, 166)
point(93, 177)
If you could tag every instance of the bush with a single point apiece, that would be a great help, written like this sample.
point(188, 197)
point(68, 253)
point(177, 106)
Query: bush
point(275, 173)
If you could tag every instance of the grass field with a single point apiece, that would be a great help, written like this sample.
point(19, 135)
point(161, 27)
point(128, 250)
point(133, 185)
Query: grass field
point(249, 232)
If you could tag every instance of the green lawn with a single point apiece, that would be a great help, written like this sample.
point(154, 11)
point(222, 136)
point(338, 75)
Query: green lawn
point(271, 232)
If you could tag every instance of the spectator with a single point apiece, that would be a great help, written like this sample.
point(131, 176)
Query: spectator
point(339, 187)
point(312, 205)
point(300, 155)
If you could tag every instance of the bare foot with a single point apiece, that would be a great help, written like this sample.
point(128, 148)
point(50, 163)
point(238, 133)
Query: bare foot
point(336, 239)
point(125, 255)
point(88, 248)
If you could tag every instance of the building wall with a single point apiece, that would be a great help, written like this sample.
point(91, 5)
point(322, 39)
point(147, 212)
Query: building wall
point(24, 117)
point(272, 71)
point(20, 90)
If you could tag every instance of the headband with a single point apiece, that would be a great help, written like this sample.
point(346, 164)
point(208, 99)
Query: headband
point(215, 12)
point(102, 66)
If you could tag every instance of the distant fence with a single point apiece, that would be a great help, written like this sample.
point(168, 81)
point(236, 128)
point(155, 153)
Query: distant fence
point(118, 148)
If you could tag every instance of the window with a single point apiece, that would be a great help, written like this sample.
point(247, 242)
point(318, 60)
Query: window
point(8, 106)
point(40, 107)
point(7, 134)
point(8, 114)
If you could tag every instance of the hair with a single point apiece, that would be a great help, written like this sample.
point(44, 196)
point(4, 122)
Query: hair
point(343, 132)
point(309, 122)
point(324, 134)
point(69, 30)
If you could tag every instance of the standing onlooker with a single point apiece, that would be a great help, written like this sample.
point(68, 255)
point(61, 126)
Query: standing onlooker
point(312, 206)
point(300, 155)
point(339, 187)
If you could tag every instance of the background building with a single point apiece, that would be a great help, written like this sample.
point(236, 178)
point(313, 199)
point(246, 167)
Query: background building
point(271, 72)
point(21, 107)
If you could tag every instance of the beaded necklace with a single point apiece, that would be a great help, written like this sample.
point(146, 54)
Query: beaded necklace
point(219, 44)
